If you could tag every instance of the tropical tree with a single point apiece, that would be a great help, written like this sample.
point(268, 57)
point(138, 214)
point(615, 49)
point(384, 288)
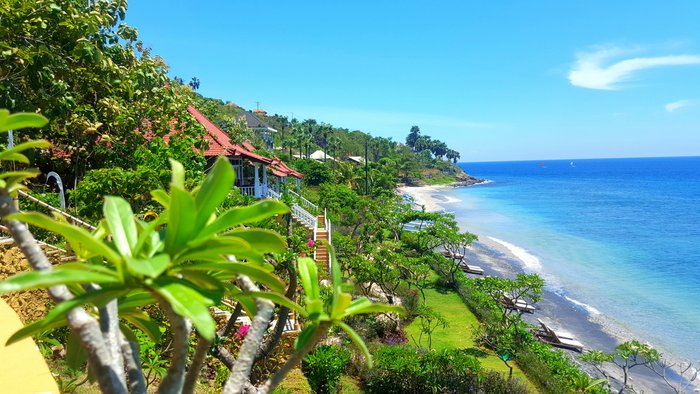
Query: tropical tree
point(452, 155)
point(627, 355)
point(413, 137)
point(455, 245)
point(77, 63)
point(438, 148)
point(423, 143)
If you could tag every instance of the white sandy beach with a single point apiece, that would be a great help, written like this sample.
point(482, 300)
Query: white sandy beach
point(422, 195)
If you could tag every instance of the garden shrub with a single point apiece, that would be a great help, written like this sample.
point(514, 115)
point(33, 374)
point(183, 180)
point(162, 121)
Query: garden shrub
point(315, 173)
point(405, 369)
point(324, 366)
point(133, 185)
point(552, 370)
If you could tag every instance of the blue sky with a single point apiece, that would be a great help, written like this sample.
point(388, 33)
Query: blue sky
point(495, 80)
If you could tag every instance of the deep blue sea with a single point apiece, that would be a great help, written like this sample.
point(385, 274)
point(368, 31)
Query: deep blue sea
point(621, 236)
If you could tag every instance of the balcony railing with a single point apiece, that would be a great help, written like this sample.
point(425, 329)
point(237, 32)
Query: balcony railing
point(247, 190)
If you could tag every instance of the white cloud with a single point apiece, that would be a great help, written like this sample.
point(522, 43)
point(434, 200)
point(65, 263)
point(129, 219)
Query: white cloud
point(676, 105)
point(596, 69)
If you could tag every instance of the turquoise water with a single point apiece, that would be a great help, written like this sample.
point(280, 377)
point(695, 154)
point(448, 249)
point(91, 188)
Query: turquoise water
point(621, 236)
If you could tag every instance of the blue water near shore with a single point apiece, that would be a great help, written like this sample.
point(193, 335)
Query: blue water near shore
point(619, 236)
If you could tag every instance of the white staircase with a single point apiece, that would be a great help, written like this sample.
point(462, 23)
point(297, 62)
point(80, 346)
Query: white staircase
point(319, 224)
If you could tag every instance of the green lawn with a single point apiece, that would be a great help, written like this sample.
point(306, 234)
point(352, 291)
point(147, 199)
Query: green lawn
point(459, 333)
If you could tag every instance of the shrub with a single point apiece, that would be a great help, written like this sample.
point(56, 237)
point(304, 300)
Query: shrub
point(404, 369)
point(552, 370)
point(133, 185)
point(324, 366)
point(315, 173)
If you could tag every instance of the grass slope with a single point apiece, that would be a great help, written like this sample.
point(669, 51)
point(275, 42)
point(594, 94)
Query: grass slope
point(459, 333)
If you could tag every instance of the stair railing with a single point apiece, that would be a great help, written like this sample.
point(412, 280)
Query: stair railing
point(304, 202)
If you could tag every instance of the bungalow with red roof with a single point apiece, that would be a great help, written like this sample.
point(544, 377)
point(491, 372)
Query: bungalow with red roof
point(251, 169)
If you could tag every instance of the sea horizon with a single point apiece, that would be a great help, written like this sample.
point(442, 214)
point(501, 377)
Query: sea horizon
point(615, 236)
point(579, 158)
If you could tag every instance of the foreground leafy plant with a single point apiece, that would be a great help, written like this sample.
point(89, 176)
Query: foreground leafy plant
point(198, 258)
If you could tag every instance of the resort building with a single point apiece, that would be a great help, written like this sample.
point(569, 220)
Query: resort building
point(262, 128)
point(256, 175)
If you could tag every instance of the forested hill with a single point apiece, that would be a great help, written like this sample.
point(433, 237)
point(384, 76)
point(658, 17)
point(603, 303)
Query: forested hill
point(417, 160)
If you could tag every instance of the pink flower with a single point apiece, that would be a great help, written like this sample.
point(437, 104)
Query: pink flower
point(310, 243)
point(242, 332)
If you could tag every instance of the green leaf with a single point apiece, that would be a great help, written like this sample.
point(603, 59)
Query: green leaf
point(358, 341)
point(208, 284)
point(14, 156)
point(308, 273)
point(144, 323)
point(252, 271)
point(363, 305)
point(20, 175)
point(263, 241)
point(57, 316)
point(340, 302)
point(15, 152)
point(181, 216)
point(214, 249)
point(188, 303)
point(247, 303)
point(305, 336)
point(79, 238)
point(43, 279)
point(335, 267)
point(213, 190)
point(278, 299)
point(134, 300)
point(160, 196)
point(150, 267)
point(314, 309)
point(128, 333)
point(88, 267)
point(22, 120)
point(148, 236)
point(241, 215)
point(75, 354)
point(178, 174)
point(120, 221)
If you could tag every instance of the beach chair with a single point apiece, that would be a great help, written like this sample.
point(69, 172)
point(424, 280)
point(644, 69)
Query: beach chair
point(519, 305)
point(472, 269)
point(559, 338)
point(451, 255)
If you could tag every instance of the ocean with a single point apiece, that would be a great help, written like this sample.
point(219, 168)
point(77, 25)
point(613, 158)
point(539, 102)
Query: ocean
point(618, 237)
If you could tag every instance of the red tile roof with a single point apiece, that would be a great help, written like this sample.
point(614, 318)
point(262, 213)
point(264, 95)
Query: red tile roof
point(220, 144)
point(248, 146)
